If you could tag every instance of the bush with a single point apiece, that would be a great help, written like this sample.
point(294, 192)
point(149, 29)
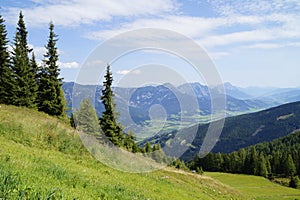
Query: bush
point(294, 183)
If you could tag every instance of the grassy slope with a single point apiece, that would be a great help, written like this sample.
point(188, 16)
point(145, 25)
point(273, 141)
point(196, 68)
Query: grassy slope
point(255, 187)
point(42, 157)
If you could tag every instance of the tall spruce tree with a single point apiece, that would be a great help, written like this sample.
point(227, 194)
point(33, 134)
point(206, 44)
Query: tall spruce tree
point(6, 80)
point(108, 121)
point(25, 85)
point(290, 168)
point(51, 98)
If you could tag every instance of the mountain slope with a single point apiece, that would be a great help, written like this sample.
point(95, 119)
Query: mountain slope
point(242, 131)
point(42, 158)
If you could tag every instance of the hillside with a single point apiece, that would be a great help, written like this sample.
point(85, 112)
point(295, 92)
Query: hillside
point(243, 130)
point(42, 158)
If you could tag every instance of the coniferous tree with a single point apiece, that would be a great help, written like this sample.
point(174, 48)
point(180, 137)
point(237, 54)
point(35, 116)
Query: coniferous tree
point(51, 99)
point(25, 85)
point(262, 165)
point(129, 143)
point(290, 168)
point(86, 118)
point(108, 121)
point(148, 148)
point(6, 80)
point(251, 162)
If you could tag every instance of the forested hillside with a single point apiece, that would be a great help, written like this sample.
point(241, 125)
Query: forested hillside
point(278, 158)
point(241, 131)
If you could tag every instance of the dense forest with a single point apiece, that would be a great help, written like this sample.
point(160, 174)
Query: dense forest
point(278, 158)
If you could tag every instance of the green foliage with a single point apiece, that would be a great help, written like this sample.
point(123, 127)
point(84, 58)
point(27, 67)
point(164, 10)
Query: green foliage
point(148, 147)
point(24, 87)
point(51, 99)
point(290, 166)
point(6, 80)
point(179, 164)
point(199, 170)
point(86, 119)
point(295, 182)
point(108, 121)
point(279, 158)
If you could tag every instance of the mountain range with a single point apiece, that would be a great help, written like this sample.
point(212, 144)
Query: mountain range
point(191, 101)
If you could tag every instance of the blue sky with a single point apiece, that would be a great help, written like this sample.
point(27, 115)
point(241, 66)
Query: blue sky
point(251, 42)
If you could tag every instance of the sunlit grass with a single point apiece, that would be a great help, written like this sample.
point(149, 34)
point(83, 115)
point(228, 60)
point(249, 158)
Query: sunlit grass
point(43, 158)
point(255, 186)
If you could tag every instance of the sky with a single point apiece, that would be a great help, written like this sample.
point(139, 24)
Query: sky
point(250, 42)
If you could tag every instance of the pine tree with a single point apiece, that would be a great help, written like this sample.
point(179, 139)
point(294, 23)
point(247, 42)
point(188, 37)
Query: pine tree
point(129, 143)
point(290, 166)
point(108, 121)
point(6, 80)
point(251, 162)
point(86, 118)
point(51, 98)
point(25, 85)
point(148, 148)
point(262, 165)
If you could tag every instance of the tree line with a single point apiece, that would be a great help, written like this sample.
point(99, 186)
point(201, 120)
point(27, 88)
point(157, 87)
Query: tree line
point(278, 158)
point(22, 81)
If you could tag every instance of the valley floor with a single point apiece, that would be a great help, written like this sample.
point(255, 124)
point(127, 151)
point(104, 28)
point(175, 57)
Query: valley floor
point(255, 187)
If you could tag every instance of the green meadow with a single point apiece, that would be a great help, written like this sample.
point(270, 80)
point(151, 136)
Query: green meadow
point(41, 157)
point(255, 187)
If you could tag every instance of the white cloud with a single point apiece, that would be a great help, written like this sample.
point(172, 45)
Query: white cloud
point(136, 72)
point(77, 12)
point(39, 51)
point(256, 7)
point(264, 46)
point(272, 45)
point(190, 26)
point(123, 72)
point(68, 65)
point(207, 30)
point(217, 55)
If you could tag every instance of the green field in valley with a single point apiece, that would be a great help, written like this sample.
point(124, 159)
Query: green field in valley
point(255, 187)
